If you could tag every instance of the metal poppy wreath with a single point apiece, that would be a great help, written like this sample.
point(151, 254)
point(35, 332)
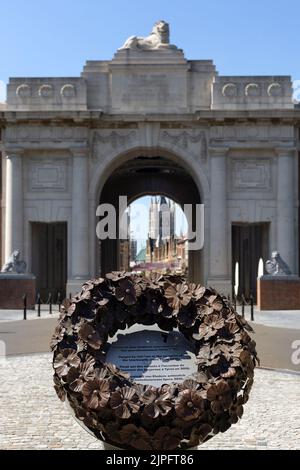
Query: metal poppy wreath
point(129, 415)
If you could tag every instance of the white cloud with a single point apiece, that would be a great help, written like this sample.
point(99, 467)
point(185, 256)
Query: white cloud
point(296, 90)
point(2, 92)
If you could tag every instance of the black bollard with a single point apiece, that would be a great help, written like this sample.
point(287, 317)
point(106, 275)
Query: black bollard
point(50, 303)
point(38, 301)
point(24, 307)
point(243, 306)
point(59, 301)
point(252, 307)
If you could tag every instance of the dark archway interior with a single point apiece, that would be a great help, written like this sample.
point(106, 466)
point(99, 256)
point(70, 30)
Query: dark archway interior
point(148, 175)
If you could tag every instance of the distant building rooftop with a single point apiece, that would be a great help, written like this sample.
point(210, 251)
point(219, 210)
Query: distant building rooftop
point(141, 256)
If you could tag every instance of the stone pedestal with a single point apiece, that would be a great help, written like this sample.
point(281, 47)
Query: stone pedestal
point(12, 289)
point(278, 293)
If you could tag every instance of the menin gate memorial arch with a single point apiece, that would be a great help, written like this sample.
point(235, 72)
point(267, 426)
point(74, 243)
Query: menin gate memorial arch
point(149, 121)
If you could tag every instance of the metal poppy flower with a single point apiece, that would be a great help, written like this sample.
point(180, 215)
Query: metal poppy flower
point(126, 292)
point(96, 393)
point(57, 336)
point(136, 437)
point(124, 402)
point(187, 316)
point(189, 384)
point(64, 361)
point(89, 419)
point(77, 377)
point(166, 438)
point(246, 359)
point(197, 291)
point(178, 295)
point(199, 434)
point(236, 410)
point(71, 309)
point(203, 310)
point(231, 351)
point(157, 401)
point(230, 332)
point(208, 356)
point(153, 302)
point(114, 371)
point(88, 334)
point(190, 405)
point(220, 397)
point(87, 286)
point(156, 281)
point(60, 391)
point(117, 275)
point(210, 326)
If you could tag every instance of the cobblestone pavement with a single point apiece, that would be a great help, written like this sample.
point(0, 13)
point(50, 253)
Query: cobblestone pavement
point(32, 417)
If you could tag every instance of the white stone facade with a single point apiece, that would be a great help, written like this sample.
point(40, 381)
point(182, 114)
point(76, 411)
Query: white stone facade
point(235, 136)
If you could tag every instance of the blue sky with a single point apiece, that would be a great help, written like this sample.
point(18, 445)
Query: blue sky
point(55, 37)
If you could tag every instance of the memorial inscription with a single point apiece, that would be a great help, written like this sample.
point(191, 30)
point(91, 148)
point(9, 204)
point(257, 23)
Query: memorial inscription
point(147, 91)
point(153, 357)
point(146, 88)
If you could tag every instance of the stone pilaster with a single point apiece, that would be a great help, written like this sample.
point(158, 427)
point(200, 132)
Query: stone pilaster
point(80, 221)
point(219, 243)
point(286, 206)
point(14, 213)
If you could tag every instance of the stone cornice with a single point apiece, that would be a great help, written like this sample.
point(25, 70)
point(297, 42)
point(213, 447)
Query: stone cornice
point(80, 151)
point(86, 117)
point(218, 151)
point(286, 151)
point(13, 150)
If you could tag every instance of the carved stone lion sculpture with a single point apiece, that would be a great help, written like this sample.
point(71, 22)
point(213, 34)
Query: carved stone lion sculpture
point(159, 38)
point(14, 264)
point(276, 266)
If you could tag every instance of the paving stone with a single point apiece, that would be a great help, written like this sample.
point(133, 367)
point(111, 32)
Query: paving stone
point(32, 417)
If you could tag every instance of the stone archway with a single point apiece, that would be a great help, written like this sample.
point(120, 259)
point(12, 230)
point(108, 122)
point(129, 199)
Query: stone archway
point(149, 174)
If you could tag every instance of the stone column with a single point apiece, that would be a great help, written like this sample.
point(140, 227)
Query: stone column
point(80, 222)
point(219, 246)
point(286, 206)
point(14, 217)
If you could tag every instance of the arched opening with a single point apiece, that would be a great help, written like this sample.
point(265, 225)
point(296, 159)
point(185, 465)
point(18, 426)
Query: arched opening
point(148, 175)
point(158, 236)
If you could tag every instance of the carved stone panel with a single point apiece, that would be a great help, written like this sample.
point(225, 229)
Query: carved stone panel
point(103, 140)
point(249, 177)
point(43, 175)
point(194, 139)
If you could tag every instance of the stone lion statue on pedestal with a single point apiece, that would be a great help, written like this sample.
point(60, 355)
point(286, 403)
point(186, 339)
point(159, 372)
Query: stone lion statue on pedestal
point(158, 38)
point(276, 266)
point(14, 264)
